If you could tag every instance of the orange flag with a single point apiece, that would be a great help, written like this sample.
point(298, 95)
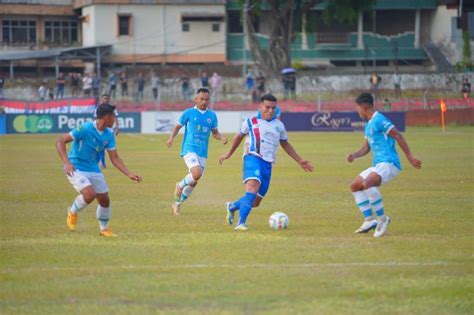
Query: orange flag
point(443, 106)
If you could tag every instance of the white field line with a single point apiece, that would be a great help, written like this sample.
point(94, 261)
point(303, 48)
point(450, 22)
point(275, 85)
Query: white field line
point(394, 264)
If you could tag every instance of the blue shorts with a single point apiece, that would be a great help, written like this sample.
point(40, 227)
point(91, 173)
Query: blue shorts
point(258, 169)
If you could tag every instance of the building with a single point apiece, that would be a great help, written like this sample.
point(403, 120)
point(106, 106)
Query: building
point(39, 34)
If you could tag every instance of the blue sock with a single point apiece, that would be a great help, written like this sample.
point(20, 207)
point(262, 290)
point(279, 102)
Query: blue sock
point(246, 203)
point(234, 205)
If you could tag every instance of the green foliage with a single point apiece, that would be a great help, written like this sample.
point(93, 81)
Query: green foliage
point(346, 10)
point(298, 65)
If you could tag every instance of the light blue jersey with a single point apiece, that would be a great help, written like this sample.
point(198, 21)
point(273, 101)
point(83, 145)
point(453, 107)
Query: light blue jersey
point(88, 143)
point(198, 125)
point(381, 144)
point(275, 115)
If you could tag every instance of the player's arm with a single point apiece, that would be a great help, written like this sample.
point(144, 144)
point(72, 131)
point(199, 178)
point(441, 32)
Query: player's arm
point(173, 134)
point(118, 163)
point(404, 145)
point(116, 126)
point(217, 135)
point(61, 148)
point(290, 150)
point(361, 152)
point(236, 140)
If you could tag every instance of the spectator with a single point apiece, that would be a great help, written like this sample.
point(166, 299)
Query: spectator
point(124, 84)
point(289, 85)
point(140, 87)
point(42, 91)
point(87, 85)
point(112, 84)
point(155, 81)
point(204, 80)
point(95, 85)
point(375, 80)
point(185, 87)
point(397, 81)
point(216, 83)
point(50, 93)
point(260, 85)
point(250, 86)
point(387, 105)
point(2, 81)
point(74, 77)
point(466, 88)
point(60, 81)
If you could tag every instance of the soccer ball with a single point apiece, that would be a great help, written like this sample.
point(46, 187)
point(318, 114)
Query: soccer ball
point(278, 221)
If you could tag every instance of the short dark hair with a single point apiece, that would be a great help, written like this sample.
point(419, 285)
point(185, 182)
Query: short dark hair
point(105, 94)
point(365, 99)
point(268, 97)
point(104, 110)
point(203, 90)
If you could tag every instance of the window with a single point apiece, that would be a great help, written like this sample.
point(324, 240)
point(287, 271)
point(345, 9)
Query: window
point(124, 25)
point(215, 27)
point(185, 27)
point(61, 32)
point(22, 32)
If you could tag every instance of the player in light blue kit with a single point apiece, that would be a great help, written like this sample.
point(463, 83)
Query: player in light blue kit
point(265, 134)
point(199, 123)
point(82, 169)
point(380, 137)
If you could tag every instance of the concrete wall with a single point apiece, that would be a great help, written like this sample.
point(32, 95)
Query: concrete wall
point(156, 29)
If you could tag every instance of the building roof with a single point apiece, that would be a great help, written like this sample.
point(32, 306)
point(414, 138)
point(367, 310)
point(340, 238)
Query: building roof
point(88, 52)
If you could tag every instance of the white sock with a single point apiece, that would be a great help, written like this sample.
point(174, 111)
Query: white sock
point(78, 204)
point(187, 190)
point(103, 215)
point(376, 202)
point(362, 202)
point(186, 181)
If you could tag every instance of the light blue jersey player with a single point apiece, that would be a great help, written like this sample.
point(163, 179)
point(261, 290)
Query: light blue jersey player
point(89, 141)
point(199, 123)
point(105, 99)
point(265, 134)
point(380, 137)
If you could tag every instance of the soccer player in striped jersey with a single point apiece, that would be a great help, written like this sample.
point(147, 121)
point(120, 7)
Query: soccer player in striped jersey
point(199, 123)
point(265, 134)
point(380, 137)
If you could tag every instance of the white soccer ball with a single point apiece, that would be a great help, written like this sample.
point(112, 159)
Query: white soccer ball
point(278, 221)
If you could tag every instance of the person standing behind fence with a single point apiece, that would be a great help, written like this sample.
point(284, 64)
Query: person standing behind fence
point(95, 85)
point(216, 83)
point(124, 84)
point(2, 81)
point(60, 81)
point(375, 80)
point(42, 91)
point(155, 81)
point(250, 85)
point(204, 80)
point(466, 88)
point(185, 87)
point(140, 87)
point(397, 81)
point(112, 84)
point(260, 85)
point(74, 77)
point(87, 85)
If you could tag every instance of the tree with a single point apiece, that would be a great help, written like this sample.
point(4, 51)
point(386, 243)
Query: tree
point(285, 14)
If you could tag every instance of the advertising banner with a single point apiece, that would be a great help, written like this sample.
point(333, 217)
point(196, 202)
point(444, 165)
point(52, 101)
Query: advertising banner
point(59, 123)
point(334, 121)
point(62, 106)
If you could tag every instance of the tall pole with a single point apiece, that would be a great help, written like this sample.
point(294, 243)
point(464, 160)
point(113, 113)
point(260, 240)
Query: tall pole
point(373, 39)
point(245, 29)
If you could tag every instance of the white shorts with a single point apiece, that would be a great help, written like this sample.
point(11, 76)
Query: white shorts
point(193, 160)
point(81, 180)
point(387, 171)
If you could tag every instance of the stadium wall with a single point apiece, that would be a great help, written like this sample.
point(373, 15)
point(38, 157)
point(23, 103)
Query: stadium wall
point(433, 117)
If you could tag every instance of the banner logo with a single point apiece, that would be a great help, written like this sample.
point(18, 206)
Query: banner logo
point(33, 123)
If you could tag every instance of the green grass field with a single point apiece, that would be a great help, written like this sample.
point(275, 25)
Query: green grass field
point(197, 264)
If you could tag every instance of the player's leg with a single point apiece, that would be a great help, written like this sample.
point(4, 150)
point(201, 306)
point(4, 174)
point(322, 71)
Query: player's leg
point(86, 195)
point(362, 201)
point(383, 172)
point(184, 188)
point(246, 202)
point(104, 210)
